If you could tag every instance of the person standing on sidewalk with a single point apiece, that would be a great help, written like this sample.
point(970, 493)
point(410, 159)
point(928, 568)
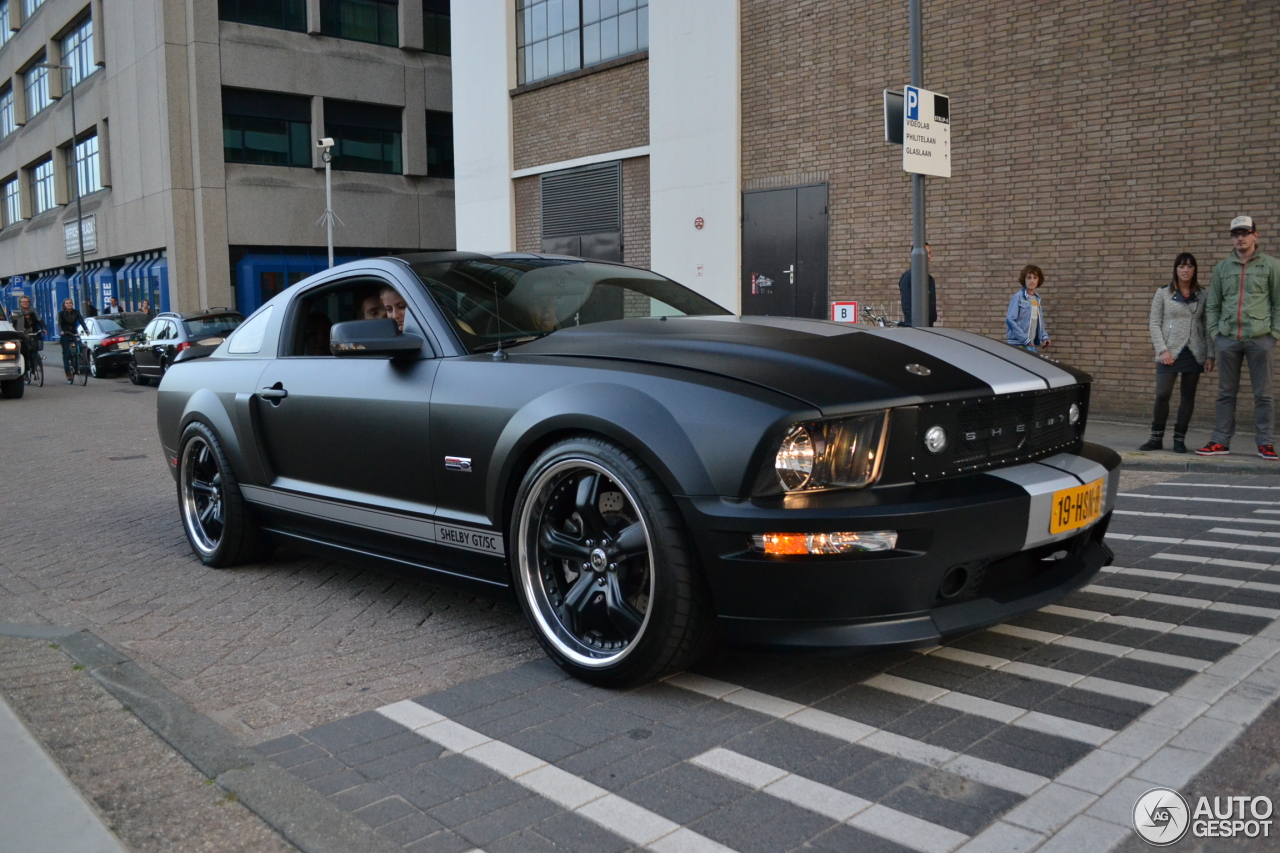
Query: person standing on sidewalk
point(1024, 323)
point(904, 288)
point(1242, 312)
point(1177, 326)
point(68, 321)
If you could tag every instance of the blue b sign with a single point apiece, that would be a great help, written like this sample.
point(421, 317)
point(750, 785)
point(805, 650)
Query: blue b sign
point(913, 103)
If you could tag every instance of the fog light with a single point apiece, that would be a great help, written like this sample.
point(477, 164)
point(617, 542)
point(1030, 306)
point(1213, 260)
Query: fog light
point(1073, 414)
point(825, 543)
point(935, 440)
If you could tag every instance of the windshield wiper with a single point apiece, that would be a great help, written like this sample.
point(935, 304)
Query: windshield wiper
point(508, 342)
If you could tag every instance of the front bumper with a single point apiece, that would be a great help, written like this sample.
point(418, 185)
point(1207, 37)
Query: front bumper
point(11, 369)
point(111, 359)
point(992, 527)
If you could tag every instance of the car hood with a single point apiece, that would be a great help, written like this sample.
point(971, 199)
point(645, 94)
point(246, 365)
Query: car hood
point(830, 366)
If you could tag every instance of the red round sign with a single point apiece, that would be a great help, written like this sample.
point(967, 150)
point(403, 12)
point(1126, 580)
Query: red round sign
point(698, 223)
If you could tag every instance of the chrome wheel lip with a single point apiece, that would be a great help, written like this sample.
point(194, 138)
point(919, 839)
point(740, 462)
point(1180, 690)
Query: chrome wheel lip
point(531, 579)
point(200, 539)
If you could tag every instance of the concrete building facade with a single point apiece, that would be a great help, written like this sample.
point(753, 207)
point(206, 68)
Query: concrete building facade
point(1094, 139)
point(205, 117)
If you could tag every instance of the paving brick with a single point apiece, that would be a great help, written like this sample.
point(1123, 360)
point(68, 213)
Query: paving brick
point(684, 793)
point(574, 834)
point(385, 811)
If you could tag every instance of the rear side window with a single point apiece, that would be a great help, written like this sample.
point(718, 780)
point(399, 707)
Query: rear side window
point(213, 327)
point(248, 337)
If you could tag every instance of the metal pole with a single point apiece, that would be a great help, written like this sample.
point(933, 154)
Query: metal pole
point(75, 163)
point(919, 259)
point(328, 206)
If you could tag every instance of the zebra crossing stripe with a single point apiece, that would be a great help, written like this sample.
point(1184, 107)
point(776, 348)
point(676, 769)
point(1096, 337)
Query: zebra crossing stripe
point(1196, 517)
point(1209, 580)
point(1198, 499)
point(1091, 683)
point(1183, 601)
point(1215, 561)
point(1231, 531)
point(1113, 649)
point(1178, 484)
point(616, 814)
point(850, 731)
point(1147, 624)
point(882, 821)
point(1204, 543)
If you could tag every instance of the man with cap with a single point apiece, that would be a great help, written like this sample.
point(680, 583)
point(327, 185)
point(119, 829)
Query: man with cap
point(1242, 312)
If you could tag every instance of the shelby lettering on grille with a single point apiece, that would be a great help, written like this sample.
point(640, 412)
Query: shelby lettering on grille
point(992, 432)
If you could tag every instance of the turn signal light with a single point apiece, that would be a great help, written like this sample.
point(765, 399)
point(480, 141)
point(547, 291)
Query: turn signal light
point(825, 543)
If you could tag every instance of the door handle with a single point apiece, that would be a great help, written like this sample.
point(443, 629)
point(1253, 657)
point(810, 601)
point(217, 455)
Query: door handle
point(791, 271)
point(275, 395)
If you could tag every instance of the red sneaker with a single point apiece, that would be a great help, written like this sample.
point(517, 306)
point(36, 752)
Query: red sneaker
point(1266, 451)
point(1214, 449)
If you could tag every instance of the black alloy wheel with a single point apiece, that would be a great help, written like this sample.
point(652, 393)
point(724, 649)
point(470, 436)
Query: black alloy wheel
point(603, 567)
point(135, 377)
point(93, 368)
point(214, 517)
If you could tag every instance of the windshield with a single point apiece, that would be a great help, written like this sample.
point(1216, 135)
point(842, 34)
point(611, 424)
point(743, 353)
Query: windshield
point(210, 327)
point(510, 300)
point(123, 323)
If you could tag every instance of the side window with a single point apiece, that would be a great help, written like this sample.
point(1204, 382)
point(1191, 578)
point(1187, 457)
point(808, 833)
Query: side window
point(362, 298)
point(248, 338)
point(149, 333)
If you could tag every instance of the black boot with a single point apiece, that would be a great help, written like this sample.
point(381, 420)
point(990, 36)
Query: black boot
point(1156, 442)
point(1179, 442)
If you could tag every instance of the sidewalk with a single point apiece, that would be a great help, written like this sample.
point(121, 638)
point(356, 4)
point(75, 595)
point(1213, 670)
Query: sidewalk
point(39, 807)
point(1125, 437)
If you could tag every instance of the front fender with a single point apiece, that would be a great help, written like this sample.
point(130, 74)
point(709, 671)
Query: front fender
point(628, 416)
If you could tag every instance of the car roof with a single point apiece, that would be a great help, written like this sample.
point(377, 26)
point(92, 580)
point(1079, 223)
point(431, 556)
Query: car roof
point(194, 315)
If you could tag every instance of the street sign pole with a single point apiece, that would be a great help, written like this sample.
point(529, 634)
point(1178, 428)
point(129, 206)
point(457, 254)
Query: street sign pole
point(919, 259)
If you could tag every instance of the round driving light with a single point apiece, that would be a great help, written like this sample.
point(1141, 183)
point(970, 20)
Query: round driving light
point(935, 440)
point(1073, 414)
point(794, 462)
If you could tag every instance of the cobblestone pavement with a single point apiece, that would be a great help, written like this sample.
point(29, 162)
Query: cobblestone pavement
point(432, 716)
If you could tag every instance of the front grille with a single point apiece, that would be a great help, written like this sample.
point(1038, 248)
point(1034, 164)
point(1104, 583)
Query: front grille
point(992, 432)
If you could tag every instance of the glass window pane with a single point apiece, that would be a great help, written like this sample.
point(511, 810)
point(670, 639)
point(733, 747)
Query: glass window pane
point(642, 28)
point(570, 15)
point(627, 34)
point(608, 38)
point(540, 21)
point(555, 56)
point(590, 11)
point(555, 17)
point(590, 44)
point(572, 62)
point(522, 28)
point(539, 60)
point(626, 5)
point(608, 8)
point(521, 70)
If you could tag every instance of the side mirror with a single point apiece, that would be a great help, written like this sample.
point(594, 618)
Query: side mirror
point(372, 337)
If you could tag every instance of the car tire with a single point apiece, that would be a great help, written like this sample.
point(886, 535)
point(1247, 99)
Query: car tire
point(218, 525)
point(11, 389)
point(135, 377)
point(93, 368)
point(603, 566)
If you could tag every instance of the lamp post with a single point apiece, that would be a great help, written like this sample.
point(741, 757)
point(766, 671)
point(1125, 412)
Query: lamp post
point(76, 170)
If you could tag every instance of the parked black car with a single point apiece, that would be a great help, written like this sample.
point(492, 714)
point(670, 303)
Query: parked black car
point(634, 463)
point(109, 339)
point(171, 333)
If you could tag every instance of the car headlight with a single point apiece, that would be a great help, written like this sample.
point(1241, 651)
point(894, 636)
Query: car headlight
point(844, 453)
point(1073, 414)
point(935, 440)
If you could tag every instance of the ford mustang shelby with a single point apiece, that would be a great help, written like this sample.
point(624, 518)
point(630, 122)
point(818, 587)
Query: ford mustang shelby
point(641, 468)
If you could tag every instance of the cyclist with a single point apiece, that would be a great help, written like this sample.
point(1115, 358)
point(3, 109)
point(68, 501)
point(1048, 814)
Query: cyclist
point(68, 321)
point(28, 322)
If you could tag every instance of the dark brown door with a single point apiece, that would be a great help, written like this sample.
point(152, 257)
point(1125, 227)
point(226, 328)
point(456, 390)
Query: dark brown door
point(784, 252)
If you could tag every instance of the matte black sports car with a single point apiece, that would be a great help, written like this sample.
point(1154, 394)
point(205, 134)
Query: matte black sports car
point(635, 463)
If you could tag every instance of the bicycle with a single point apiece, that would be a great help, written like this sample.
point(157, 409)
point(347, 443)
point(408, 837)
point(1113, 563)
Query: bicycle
point(34, 372)
point(82, 361)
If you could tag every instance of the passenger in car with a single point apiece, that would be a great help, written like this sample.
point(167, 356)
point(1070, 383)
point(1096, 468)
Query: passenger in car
point(395, 305)
point(370, 307)
point(315, 338)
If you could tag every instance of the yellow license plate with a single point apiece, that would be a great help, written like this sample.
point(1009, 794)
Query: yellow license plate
point(1076, 507)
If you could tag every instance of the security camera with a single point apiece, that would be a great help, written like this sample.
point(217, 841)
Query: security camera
point(326, 142)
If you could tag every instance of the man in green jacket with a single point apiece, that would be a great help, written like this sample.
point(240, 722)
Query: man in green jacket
point(1242, 314)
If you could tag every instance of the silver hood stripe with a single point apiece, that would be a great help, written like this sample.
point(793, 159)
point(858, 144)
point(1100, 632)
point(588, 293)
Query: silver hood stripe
point(1054, 377)
point(1003, 375)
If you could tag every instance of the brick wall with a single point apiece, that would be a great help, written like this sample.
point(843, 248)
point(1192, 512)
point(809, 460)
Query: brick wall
point(529, 214)
point(635, 212)
point(1095, 139)
point(595, 113)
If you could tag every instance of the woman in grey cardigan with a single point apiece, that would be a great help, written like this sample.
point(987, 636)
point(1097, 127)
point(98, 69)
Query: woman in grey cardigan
point(1182, 349)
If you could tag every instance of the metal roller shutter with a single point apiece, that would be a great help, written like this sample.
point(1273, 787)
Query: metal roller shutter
point(587, 200)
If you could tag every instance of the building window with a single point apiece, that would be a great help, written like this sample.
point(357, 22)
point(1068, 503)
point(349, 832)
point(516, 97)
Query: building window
point(555, 36)
point(12, 208)
point(439, 144)
point(374, 21)
point(280, 14)
point(36, 85)
point(83, 176)
point(29, 8)
point(42, 186)
point(266, 128)
point(8, 119)
point(5, 33)
point(77, 51)
point(435, 26)
point(366, 136)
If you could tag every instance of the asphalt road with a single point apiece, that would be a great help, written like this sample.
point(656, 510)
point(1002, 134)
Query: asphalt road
point(433, 718)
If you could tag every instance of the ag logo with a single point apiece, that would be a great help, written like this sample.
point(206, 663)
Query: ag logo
point(1161, 816)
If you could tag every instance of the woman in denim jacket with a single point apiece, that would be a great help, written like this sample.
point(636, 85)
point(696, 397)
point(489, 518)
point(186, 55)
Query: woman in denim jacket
point(1024, 324)
point(1182, 349)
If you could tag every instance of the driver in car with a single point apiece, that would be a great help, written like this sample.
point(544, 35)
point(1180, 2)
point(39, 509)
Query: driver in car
point(394, 305)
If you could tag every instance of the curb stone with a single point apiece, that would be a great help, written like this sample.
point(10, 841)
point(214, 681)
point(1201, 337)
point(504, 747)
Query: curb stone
point(303, 816)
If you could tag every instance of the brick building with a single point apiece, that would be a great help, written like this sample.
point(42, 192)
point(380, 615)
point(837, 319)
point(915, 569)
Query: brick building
point(1092, 138)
